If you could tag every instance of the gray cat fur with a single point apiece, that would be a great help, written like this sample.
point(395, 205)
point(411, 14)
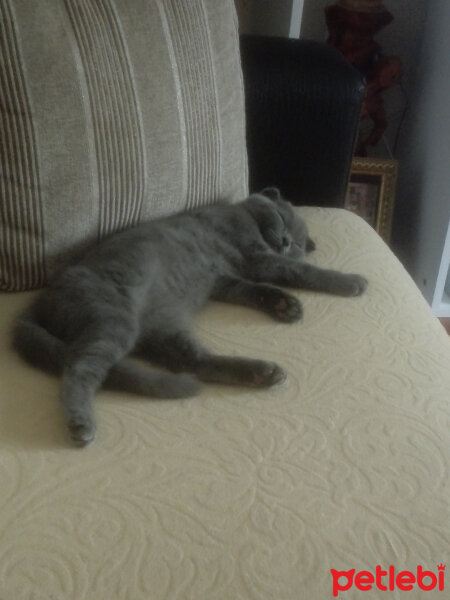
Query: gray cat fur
point(136, 292)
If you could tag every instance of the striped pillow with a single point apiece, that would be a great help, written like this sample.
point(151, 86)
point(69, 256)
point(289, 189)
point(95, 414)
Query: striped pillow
point(112, 112)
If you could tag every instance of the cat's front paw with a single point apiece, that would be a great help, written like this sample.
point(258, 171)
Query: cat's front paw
point(358, 285)
point(351, 285)
point(287, 309)
point(280, 305)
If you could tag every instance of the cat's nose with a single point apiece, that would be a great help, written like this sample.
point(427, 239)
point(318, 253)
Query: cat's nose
point(285, 241)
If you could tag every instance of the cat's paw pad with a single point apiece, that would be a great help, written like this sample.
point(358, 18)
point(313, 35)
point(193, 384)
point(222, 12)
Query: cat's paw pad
point(267, 374)
point(81, 433)
point(287, 309)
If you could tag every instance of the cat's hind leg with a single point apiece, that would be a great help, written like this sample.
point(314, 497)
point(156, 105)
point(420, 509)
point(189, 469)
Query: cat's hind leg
point(88, 361)
point(130, 376)
point(179, 351)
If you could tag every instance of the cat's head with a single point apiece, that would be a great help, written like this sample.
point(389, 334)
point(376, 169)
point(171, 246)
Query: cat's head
point(280, 225)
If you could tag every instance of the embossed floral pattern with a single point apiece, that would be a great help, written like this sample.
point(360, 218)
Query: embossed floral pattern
point(238, 494)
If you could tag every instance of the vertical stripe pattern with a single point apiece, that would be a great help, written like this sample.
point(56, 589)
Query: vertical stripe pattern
point(188, 27)
point(111, 112)
point(117, 129)
point(22, 244)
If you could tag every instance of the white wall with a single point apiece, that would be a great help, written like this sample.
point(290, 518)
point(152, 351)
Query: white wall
point(423, 196)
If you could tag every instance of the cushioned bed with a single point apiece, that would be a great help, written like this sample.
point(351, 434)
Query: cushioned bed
point(239, 494)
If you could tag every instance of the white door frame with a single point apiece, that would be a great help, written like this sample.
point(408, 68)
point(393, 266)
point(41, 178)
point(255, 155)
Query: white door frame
point(441, 304)
point(296, 18)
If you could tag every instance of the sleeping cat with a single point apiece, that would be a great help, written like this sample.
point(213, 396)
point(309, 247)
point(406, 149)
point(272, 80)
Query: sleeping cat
point(137, 291)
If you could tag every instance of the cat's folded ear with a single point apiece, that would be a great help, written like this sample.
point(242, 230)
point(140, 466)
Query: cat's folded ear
point(272, 193)
point(268, 219)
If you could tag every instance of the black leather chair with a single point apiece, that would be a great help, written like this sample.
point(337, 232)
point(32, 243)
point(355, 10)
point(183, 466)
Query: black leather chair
point(303, 103)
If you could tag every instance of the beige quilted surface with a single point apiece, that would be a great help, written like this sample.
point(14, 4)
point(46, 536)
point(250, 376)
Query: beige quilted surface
point(238, 494)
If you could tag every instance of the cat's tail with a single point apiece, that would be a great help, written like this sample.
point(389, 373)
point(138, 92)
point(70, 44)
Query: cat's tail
point(40, 348)
point(37, 346)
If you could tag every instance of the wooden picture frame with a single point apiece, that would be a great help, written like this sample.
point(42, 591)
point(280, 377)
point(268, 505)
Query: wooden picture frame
point(371, 192)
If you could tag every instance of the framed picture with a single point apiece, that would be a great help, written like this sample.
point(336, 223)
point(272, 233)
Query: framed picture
point(371, 192)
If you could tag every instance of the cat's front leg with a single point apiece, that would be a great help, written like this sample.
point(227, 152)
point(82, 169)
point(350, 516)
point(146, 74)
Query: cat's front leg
point(261, 296)
point(330, 281)
point(286, 271)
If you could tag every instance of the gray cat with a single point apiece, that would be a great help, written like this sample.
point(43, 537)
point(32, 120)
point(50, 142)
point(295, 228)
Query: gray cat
point(137, 291)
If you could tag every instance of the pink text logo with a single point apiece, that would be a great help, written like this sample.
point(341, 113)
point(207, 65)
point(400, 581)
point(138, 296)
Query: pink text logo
point(388, 580)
